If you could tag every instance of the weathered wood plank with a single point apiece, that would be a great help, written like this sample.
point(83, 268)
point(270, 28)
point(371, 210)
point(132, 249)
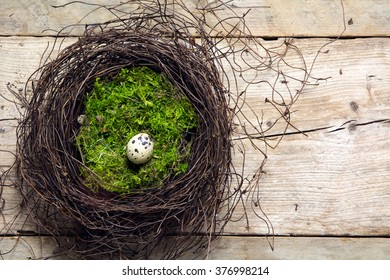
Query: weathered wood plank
point(302, 248)
point(7, 156)
point(13, 217)
point(234, 248)
point(265, 18)
point(27, 247)
point(357, 73)
point(363, 65)
point(326, 183)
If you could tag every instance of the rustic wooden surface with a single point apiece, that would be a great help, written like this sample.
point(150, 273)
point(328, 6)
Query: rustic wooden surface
point(329, 189)
point(237, 248)
point(266, 18)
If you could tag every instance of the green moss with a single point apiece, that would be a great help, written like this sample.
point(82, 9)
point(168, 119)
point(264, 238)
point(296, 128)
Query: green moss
point(137, 100)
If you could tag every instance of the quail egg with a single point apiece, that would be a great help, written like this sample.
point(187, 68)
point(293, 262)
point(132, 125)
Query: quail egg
point(139, 149)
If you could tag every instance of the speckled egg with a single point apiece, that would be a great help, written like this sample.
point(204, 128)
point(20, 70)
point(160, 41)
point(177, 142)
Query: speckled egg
point(140, 148)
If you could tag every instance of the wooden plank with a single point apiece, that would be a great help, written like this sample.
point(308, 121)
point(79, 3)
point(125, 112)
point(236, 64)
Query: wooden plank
point(27, 247)
point(330, 182)
point(313, 19)
point(14, 218)
point(324, 184)
point(40, 18)
point(233, 248)
point(7, 156)
point(265, 18)
point(356, 85)
point(290, 248)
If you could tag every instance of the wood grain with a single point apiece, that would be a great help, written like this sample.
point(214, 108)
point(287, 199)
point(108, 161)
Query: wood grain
point(232, 248)
point(301, 248)
point(264, 18)
point(14, 219)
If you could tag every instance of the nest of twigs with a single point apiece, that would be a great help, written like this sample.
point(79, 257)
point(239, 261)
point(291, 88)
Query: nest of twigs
point(126, 226)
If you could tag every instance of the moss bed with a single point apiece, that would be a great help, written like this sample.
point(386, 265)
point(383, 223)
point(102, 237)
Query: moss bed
point(136, 100)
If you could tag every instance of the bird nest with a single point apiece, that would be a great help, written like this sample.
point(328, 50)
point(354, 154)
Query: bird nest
point(191, 209)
